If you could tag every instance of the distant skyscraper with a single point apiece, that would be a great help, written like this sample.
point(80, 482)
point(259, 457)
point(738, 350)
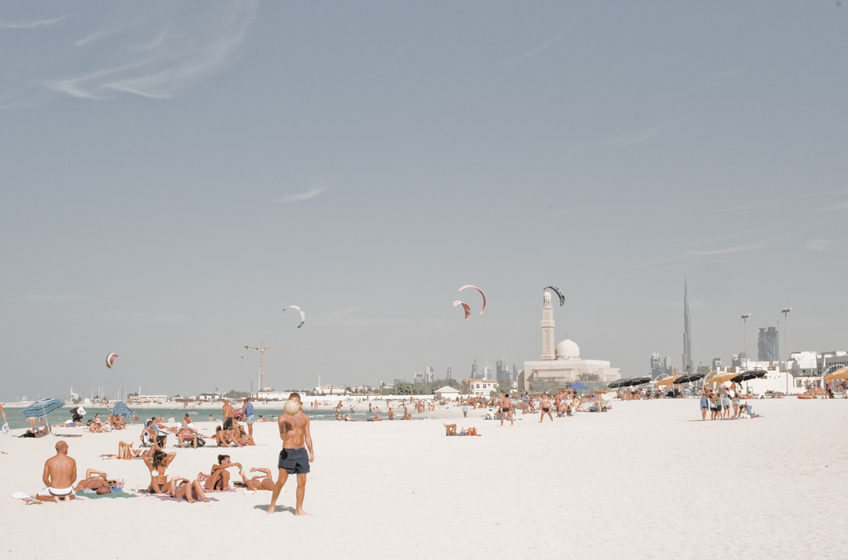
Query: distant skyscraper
point(659, 369)
point(450, 372)
point(501, 371)
point(475, 374)
point(429, 374)
point(716, 363)
point(768, 346)
point(687, 338)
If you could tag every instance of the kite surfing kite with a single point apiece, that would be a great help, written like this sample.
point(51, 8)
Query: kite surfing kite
point(110, 359)
point(481, 293)
point(559, 293)
point(464, 306)
point(302, 314)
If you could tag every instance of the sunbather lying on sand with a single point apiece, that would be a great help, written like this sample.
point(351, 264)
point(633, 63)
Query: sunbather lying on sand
point(190, 491)
point(263, 481)
point(95, 480)
point(450, 430)
point(125, 451)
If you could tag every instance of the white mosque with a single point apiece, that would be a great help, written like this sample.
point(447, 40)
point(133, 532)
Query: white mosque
point(562, 364)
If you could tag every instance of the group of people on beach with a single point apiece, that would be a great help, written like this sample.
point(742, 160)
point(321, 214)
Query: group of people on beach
point(722, 401)
point(60, 471)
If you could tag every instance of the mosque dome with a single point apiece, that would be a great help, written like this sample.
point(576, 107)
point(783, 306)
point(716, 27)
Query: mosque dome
point(567, 349)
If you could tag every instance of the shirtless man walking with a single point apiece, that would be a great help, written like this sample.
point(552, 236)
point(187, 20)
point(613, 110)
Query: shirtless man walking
point(228, 416)
point(60, 473)
point(294, 431)
point(506, 409)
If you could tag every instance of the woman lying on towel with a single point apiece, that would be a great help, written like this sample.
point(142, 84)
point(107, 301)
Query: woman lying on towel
point(95, 480)
point(262, 481)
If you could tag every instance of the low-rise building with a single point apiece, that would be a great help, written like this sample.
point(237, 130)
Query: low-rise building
point(479, 387)
point(446, 392)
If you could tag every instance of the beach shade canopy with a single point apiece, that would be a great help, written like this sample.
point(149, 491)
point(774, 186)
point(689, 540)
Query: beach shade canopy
point(42, 407)
point(841, 373)
point(618, 383)
point(689, 378)
point(578, 387)
point(638, 381)
point(666, 381)
point(121, 409)
point(721, 377)
point(746, 375)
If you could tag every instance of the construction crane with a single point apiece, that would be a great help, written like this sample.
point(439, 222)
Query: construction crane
point(261, 349)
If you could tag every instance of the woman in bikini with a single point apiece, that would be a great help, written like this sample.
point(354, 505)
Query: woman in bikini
point(125, 451)
point(157, 465)
point(263, 481)
point(183, 489)
point(95, 480)
point(219, 477)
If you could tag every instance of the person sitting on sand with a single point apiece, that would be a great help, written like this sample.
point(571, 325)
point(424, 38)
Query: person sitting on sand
point(219, 477)
point(95, 480)
point(187, 432)
point(157, 465)
point(60, 473)
point(242, 438)
point(221, 438)
point(262, 481)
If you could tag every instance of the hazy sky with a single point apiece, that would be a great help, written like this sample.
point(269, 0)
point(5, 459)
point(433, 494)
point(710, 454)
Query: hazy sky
point(175, 173)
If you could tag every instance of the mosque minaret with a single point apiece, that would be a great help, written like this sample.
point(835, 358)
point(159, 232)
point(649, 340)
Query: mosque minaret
point(548, 351)
point(561, 364)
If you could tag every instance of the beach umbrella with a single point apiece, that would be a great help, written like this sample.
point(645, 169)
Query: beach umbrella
point(579, 387)
point(638, 381)
point(618, 383)
point(121, 409)
point(689, 378)
point(841, 373)
point(666, 381)
point(746, 375)
point(42, 408)
point(721, 377)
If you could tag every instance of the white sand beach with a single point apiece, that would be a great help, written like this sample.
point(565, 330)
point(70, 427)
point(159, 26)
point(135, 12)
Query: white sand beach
point(645, 480)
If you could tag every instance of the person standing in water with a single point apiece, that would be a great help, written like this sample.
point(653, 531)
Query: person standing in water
point(294, 431)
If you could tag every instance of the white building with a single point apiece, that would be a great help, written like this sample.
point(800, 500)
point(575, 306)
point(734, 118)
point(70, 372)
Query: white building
point(329, 390)
point(562, 363)
point(446, 392)
point(479, 387)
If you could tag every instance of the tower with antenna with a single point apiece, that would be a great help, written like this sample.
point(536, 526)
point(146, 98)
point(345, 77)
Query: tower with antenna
point(687, 335)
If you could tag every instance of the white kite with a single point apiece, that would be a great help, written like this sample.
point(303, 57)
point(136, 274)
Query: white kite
point(302, 314)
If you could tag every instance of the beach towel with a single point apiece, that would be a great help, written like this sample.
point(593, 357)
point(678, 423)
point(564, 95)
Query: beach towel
point(68, 435)
point(93, 495)
point(26, 498)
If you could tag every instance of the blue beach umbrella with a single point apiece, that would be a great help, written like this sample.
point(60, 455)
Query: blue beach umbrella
point(578, 387)
point(121, 409)
point(42, 408)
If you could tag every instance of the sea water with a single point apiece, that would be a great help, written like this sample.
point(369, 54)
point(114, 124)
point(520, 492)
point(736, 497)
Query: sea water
point(16, 419)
